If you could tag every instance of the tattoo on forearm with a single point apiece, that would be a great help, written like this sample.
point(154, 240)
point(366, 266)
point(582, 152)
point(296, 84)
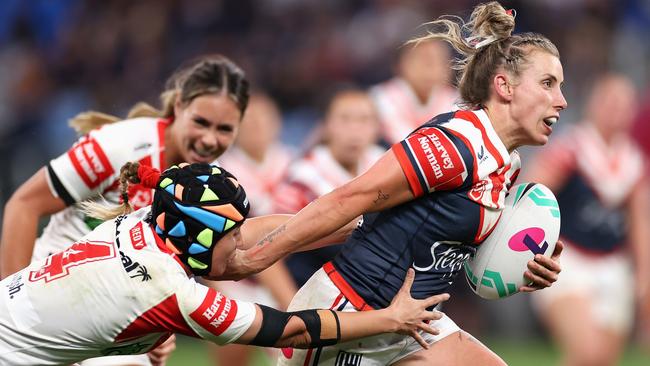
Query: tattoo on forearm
point(381, 196)
point(269, 238)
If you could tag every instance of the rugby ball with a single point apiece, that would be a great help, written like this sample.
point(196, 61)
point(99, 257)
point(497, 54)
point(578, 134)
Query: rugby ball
point(529, 224)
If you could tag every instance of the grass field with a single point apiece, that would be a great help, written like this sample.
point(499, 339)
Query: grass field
point(534, 353)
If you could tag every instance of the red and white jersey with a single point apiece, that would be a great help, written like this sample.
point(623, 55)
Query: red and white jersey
point(259, 179)
point(116, 291)
point(400, 110)
point(91, 168)
point(315, 174)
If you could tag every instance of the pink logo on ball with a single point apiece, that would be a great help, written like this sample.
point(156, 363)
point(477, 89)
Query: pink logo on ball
point(521, 241)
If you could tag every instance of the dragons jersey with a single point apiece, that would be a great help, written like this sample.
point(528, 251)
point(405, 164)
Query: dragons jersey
point(259, 179)
point(316, 174)
point(92, 167)
point(116, 291)
point(459, 172)
point(599, 180)
point(401, 111)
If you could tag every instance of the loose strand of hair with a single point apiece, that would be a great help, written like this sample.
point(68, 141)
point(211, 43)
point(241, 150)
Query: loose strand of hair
point(105, 210)
point(85, 122)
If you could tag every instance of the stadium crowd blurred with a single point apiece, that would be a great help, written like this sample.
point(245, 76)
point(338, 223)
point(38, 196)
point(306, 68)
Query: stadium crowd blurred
point(60, 57)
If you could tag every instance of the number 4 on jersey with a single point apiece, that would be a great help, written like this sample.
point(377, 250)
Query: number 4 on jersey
point(57, 265)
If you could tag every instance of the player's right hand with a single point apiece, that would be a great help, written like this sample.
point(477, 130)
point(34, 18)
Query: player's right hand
point(411, 314)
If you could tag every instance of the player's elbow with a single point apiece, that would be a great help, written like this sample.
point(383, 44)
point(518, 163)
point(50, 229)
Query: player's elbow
point(296, 335)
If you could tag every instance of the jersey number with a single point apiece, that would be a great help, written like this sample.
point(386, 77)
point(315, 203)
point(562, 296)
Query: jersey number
point(57, 265)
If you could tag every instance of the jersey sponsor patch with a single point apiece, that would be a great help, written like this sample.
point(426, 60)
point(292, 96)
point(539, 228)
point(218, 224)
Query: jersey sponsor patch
point(435, 159)
point(90, 162)
point(216, 313)
point(137, 236)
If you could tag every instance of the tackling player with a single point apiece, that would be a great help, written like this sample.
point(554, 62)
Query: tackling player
point(202, 108)
point(127, 286)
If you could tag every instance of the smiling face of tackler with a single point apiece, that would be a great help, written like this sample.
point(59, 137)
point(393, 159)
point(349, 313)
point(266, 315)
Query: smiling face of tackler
point(193, 207)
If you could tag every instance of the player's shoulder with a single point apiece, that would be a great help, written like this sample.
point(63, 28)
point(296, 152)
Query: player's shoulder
point(129, 139)
point(128, 129)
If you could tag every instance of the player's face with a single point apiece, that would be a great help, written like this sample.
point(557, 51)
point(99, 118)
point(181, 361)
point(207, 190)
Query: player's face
point(203, 129)
point(537, 99)
point(351, 127)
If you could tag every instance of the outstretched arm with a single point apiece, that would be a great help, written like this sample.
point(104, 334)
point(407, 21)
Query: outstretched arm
point(258, 228)
point(315, 328)
point(384, 185)
point(22, 212)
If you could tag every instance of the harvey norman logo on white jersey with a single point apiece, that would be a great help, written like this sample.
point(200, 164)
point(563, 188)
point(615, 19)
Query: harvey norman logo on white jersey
point(90, 162)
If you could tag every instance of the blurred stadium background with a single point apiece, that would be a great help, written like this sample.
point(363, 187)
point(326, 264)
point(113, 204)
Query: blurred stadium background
point(60, 57)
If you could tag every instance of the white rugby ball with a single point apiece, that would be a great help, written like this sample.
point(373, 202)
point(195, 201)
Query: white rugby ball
point(529, 224)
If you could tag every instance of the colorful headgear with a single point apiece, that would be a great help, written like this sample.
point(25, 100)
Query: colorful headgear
point(193, 207)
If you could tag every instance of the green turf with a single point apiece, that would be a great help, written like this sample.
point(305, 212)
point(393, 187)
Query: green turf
point(190, 352)
point(541, 353)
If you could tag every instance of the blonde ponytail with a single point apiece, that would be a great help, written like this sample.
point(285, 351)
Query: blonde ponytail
point(106, 211)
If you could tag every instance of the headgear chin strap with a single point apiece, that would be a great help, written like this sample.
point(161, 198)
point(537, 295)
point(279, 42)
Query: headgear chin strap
point(193, 207)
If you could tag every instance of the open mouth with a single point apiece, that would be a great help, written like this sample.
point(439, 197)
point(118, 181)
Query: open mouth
point(550, 121)
point(202, 154)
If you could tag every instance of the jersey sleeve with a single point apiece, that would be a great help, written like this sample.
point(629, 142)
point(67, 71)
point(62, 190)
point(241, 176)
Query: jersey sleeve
point(212, 315)
point(91, 165)
point(432, 160)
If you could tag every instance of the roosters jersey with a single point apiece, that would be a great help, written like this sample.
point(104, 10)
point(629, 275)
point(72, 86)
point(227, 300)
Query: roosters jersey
point(459, 172)
point(260, 179)
point(91, 168)
point(116, 291)
point(599, 180)
point(400, 110)
point(316, 174)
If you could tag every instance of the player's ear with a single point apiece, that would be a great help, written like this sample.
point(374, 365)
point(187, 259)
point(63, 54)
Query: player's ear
point(502, 86)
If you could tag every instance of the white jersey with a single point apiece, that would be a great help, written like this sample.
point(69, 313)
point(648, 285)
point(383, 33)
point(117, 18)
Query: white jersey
point(259, 179)
point(116, 291)
point(316, 174)
point(92, 167)
point(400, 110)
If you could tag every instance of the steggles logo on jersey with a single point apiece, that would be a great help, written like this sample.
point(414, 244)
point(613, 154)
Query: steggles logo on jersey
point(15, 285)
point(443, 256)
point(90, 162)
